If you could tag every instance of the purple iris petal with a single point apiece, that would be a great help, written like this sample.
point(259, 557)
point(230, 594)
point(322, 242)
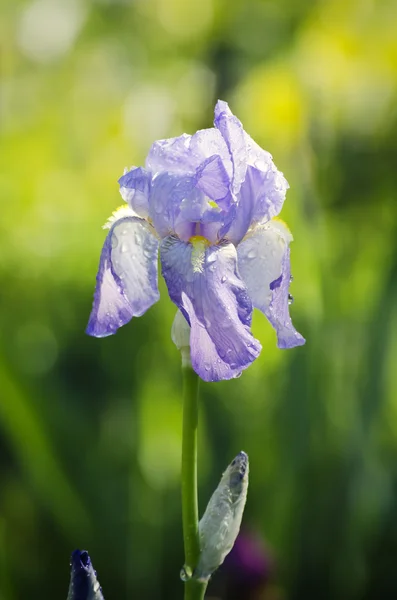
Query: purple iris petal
point(127, 277)
point(135, 189)
point(233, 133)
point(261, 197)
point(264, 265)
point(204, 284)
point(184, 154)
point(278, 311)
point(175, 204)
point(83, 581)
point(213, 180)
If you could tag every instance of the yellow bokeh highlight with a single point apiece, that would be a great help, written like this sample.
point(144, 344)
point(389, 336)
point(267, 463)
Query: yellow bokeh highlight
point(271, 104)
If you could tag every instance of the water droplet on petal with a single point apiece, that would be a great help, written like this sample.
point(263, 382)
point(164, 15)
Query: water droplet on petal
point(251, 254)
point(186, 573)
point(290, 299)
point(207, 366)
point(223, 279)
point(114, 241)
point(123, 248)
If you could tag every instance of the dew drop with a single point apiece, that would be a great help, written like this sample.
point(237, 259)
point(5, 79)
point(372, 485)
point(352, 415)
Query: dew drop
point(223, 279)
point(114, 241)
point(291, 278)
point(186, 573)
point(123, 248)
point(207, 366)
point(251, 254)
point(290, 299)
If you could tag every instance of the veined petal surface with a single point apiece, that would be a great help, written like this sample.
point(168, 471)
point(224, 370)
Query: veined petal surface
point(261, 198)
point(264, 265)
point(233, 133)
point(203, 282)
point(135, 189)
point(127, 276)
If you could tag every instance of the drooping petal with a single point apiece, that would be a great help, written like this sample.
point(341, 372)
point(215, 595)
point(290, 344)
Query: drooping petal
point(135, 189)
point(233, 133)
point(203, 282)
point(264, 265)
point(127, 276)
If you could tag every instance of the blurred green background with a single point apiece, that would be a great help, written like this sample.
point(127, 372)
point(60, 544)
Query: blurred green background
point(90, 430)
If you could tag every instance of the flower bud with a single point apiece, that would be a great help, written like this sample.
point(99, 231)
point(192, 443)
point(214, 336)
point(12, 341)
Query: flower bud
point(83, 581)
point(180, 335)
point(221, 522)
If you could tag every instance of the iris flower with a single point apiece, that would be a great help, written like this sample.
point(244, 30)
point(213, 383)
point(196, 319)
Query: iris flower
point(208, 203)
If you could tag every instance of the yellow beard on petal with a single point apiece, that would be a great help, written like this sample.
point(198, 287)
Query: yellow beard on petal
point(199, 246)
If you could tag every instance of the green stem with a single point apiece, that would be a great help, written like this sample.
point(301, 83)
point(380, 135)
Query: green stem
point(194, 590)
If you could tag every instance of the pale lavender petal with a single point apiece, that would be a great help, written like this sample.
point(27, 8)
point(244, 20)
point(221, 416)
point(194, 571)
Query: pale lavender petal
point(213, 180)
point(233, 133)
point(203, 282)
point(135, 189)
point(175, 204)
point(127, 277)
point(184, 154)
point(261, 198)
point(278, 311)
point(264, 265)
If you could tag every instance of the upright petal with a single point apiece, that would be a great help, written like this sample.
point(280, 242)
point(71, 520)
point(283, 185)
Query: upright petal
point(233, 133)
point(184, 154)
point(203, 282)
point(127, 277)
point(264, 265)
point(213, 180)
point(261, 198)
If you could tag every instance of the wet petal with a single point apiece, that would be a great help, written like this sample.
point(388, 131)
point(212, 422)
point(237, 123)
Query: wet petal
point(261, 198)
point(175, 204)
point(184, 154)
point(203, 282)
point(84, 584)
point(135, 189)
point(213, 180)
point(127, 277)
point(264, 265)
point(233, 133)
